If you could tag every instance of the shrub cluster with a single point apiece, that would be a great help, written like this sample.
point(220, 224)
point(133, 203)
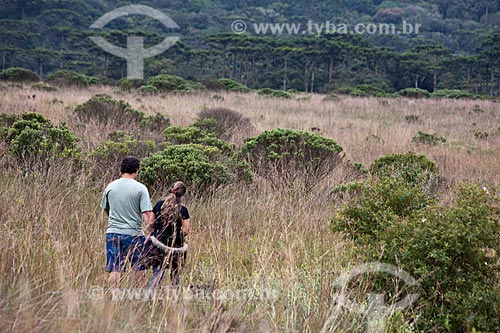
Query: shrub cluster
point(286, 156)
point(452, 251)
point(63, 78)
point(36, 144)
point(223, 122)
point(166, 82)
point(103, 109)
point(17, 74)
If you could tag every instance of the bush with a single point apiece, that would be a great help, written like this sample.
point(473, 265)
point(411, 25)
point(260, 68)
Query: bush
point(201, 168)
point(284, 155)
point(37, 144)
point(104, 109)
point(331, 98)
point(351, 92)
point(108, 155)
point(44, 87)
point(127, 85)
point(427, 139)
point(147, 90)
point(63, 78)
point(274, 93)
point(453, 93)
point(414, 93)
point(225, 122)
point(415, 170)
point(453, 251)
point(195, 135)
point(232, 85)
point(165, 82)
point(157, 123)
point(17, 74)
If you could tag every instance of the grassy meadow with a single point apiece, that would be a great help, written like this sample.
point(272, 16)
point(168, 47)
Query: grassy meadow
point(243, 238)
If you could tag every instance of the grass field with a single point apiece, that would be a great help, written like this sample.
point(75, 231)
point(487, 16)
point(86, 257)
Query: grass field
point(244, 238)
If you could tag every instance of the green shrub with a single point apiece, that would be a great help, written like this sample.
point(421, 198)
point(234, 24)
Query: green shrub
point(195, 135)
point(427, 139)
point(44, 87)
point(147, 90)
point(17, 74)
point(351, 92)
point(286, 156)
point(166, 82)
point(225, 122)
point(104, 109)
point(331, 98)
point(37, 144)
point(370, 89)
point(232, 85)
point(63, 78)
point(157, 123)
point(453, 94)
point(414, 93)
point(200, 167)
point(274, 93)
point(453, 251)
point(108, 155)
point(415, 170)
point(127, 85)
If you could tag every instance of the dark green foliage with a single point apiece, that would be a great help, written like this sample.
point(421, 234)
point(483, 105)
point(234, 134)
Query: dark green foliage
point(351, 92)
point(147, 90)
point(195, 135)
point(427, 139)
point(453, 251)
point(201, 168)
point(16, 74)
point(415, 170)
point(414, 93)
point(232, 85)
point(453, 94)
point(64, 78)
point(274, 93)
point(103, 109)
point(225, 122)
point(286, 156)
point(127, 85)
point(36, 143)
point(157, 123)
point(108, 155)
point(44, 87)
point(165, 82)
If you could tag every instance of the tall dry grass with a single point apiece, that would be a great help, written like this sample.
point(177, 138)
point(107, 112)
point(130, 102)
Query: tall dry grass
point(242, 238)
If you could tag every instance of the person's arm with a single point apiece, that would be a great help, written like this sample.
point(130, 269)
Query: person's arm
point(185, 227)
point(148, 218)
point(105, 202)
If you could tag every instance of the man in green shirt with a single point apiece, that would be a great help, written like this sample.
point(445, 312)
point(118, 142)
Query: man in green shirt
point(127, 203)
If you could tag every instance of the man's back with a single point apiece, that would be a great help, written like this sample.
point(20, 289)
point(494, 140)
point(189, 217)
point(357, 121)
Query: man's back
point(126, 200)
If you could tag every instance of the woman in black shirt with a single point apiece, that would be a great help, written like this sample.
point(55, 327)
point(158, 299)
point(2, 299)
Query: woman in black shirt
point(165, 247)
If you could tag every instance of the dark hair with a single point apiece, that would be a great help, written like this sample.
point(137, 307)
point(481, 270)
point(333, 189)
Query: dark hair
point(179, 189)
point(129, 165)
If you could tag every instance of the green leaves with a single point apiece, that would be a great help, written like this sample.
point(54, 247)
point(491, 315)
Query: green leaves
point(284, 155)
point(36, 144)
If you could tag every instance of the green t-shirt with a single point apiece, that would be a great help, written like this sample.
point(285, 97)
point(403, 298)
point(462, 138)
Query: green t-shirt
point(127, 199)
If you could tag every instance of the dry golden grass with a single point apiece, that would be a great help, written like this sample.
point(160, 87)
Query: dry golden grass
point(242, 238)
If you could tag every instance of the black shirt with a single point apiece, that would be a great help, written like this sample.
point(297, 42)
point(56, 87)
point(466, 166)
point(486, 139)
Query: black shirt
point(167, 237)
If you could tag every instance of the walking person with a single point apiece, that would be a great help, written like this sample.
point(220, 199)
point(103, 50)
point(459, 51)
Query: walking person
point(165, 247)
point(127, 203)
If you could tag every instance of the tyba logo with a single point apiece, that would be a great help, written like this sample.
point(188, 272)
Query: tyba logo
point(135, 52)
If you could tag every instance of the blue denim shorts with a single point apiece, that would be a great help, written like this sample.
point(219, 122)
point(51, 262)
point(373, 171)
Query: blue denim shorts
point(120, 248)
